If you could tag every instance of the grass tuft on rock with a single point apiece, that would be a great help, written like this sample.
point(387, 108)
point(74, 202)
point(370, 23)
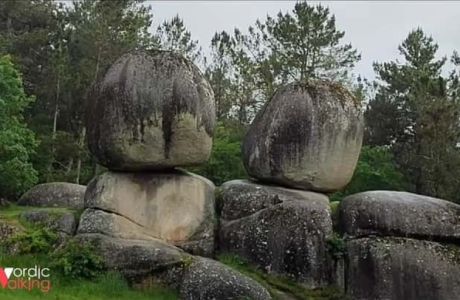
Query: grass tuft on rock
point(279, 287)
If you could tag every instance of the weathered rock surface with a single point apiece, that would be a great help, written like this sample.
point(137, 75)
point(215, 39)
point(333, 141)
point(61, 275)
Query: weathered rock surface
point(7, 230)
point(136, 259)
point(403, 214)
point(62, 223)
point(217, 281)
point(308, 136)
point(402, 269)
point(176, 207)
point(283, 231)
point(99, 221)
point(55, 194)
point(154, 260)
point(152, 110)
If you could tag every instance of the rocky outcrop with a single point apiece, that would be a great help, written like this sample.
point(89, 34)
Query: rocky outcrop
point(175, 207)
point(402, 269)
point(283, 231)
point(110, 224)
point(157, 261)
point(55, 194)
point(388, 213)
point(308, 136)
point(65, 223)
point(8, 231)
point(394, 246)
point(209, 279)
point(152, 110)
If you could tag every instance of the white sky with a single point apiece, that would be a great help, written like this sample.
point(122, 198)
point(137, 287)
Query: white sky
point(375, 28)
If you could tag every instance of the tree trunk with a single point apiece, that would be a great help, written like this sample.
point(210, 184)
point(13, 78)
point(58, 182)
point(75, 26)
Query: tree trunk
point(69, 166)
point(81, 144)
point(53, 134)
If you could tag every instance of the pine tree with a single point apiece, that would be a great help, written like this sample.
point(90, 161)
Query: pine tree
point(416, 112)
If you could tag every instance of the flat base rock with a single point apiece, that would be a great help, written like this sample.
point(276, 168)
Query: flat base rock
point(55, 194)
point(281, 230)
point(176, 206)
point(388, 213)
point(156, 261)
point(402, 269)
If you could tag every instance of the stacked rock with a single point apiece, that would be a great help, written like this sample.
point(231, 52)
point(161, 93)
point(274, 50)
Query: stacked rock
point(307, 137)
point(149, 115)
point(401, 246)
point(152, 113)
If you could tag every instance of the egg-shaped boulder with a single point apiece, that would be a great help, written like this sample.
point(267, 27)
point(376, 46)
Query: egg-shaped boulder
point(308, 136)
point(152, 110)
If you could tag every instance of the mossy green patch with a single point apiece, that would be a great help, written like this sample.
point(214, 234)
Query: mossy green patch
point(280, 287)
point(106, 286)
point(11, 214)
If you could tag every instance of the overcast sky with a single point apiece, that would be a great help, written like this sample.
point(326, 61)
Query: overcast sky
point(375, 28)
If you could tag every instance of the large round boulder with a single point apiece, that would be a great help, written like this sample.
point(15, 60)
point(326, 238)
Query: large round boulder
point(308, 136)
point(152, 110)
point(55, 194)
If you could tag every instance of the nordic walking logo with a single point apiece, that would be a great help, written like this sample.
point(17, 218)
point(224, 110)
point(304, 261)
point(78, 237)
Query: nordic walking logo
point(25, 278)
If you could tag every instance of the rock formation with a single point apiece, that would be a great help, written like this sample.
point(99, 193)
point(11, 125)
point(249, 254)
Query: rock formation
point(401, 246)
point(283, 231)
point(153, 112)
point(174, 206)
point(55, 194)
point(308, 136)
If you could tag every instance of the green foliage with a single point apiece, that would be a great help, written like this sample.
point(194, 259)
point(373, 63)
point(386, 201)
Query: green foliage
point(247, 68)
point(172, 35)
point(376, 170)
point(37, 240)
point(70, 266)
point(415, 113)
point(335, 210)
point(336, 246)
point(17, 142)
point(78, 260)
point(308, 42)
point(225, 163)
point(106, 286)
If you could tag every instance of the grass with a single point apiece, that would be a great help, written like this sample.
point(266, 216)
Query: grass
point(277, 285)
point(107, 286)
point(11, 213)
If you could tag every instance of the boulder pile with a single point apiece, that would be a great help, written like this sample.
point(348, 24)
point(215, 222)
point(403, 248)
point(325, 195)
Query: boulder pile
point(304, 142)
point(401, 246)
point(152, 113)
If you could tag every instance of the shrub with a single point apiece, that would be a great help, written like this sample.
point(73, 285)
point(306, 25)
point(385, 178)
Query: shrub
point(38, 240)
point(336, 246)
point(78, 260)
